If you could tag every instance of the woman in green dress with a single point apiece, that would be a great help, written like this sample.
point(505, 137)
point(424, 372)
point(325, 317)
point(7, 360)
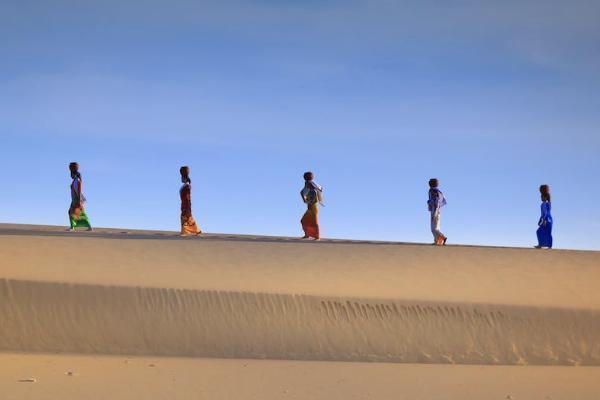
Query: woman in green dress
point(77, 216)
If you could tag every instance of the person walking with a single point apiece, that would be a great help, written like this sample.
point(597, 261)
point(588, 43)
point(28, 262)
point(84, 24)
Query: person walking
point(188, 223)
point(77, 216)
point(434, 204)
point(544, 231)
point(312, 195)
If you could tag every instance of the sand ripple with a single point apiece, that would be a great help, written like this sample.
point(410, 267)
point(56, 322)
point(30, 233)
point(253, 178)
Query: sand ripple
point(61, 317)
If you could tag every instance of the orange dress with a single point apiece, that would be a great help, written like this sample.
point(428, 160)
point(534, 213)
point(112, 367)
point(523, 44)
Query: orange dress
point(188, 223)
point(310, 221)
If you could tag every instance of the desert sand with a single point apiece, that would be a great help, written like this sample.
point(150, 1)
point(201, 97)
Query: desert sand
point(112, 377)
point(145, 314)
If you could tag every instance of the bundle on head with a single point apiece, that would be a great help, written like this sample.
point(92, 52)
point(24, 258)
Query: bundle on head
point(433, 183)
point(545, 192)
point(308, 176)
point(185, 173)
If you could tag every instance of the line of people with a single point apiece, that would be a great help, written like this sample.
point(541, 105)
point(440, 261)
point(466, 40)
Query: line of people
point(312, 196)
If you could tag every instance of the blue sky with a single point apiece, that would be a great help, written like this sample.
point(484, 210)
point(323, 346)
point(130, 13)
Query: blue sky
point(375, 97)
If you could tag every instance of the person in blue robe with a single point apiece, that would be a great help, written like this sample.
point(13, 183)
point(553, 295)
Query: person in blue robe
point(544, 232)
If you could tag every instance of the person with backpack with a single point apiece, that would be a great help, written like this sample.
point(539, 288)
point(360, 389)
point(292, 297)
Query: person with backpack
point(312, 195)
point(544, 231)
point(77, 216)
point(434, 204)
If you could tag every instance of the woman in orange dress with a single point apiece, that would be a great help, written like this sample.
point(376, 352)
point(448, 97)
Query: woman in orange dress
point(188, 223)
point(312, 195)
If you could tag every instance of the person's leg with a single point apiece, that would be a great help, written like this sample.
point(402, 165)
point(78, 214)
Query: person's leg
point(72, 217)
point(433, 223)
point(305, 224)
point(545, 236)
point(83, 220)
point(539, 235)
point(189, 226)
point(441, 236)
point(72, 221)
point(310, 222)
point(193, 226)
point(78, 218)
point(435, 227)
point(183, 220)
point(315, 212)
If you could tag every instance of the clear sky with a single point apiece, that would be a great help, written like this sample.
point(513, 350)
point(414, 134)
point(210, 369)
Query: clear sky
point(375, 97)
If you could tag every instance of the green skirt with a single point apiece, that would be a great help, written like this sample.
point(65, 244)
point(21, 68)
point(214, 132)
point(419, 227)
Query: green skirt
point(79, 220)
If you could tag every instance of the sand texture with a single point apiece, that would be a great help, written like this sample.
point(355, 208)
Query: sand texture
point(122, 293)
point(60, 317)
point(166, 378)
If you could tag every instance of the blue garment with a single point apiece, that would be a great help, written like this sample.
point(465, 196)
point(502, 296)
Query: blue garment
point(436, 199)
point(544, 232)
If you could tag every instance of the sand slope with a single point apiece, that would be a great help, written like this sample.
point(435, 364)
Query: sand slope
point(511, 276)
point(56, 317)
point(151, 293)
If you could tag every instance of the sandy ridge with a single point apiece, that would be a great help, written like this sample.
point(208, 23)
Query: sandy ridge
point(564, 279)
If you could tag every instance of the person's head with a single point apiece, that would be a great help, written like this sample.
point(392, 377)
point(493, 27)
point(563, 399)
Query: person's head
point(74, 168)
point(308, 176)
point(185, 174)
point(545, 192)
point(433, 183)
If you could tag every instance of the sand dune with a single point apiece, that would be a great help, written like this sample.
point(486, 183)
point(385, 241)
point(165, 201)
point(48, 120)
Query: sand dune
point(121, 292)
point(380, 270)
point(58, 317)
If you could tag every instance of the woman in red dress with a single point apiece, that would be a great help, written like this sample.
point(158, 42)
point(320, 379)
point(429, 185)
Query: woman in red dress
point(188, 223)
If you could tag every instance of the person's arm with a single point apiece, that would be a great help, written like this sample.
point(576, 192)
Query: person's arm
point(80, 183)
point(541, 221)
point(434, 196)
point(429, 201)
point(544, 213)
